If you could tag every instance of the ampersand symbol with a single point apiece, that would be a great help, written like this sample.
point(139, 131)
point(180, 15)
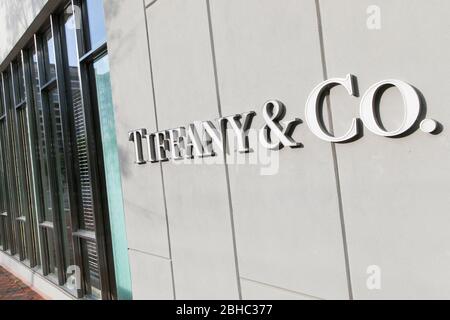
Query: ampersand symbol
point(273, 112)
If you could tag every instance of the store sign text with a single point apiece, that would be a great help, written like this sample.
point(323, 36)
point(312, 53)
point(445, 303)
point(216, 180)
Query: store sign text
point(207, 138)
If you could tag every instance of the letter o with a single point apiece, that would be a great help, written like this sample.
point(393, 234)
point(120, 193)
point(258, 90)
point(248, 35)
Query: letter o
point(411, 103)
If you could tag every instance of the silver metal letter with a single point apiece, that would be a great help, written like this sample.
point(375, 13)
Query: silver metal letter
point(162, 145)
point(412, 108)
point(273, 112)
point(213, 135)
point(151, 147)
point(193, 143)
point(177, 138)
point(136, 137)
point(314, 107)
point(240, 130)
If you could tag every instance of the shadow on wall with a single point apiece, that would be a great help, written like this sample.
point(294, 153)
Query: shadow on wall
point(15, 17)
point(124, 40)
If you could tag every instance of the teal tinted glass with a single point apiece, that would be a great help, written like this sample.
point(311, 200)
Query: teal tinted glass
point(113, 178)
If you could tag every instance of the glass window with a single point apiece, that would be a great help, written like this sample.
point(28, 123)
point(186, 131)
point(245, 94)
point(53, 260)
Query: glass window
point(26, 185)
point(3, 191)
point(21, 182)
point(90, 256)
point(19, 82)
point(86, 219)
point(111, 166)
point(70, 37)
point(22, 239)
point(41, 150)
point(49, 56)
point(11, 168)
point(59, 155)
point(4, 222)
point(41, 146)
point(96, 20)
point(49, 241)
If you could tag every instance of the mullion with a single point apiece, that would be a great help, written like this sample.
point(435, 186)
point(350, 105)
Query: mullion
point(20, 154)
point(51, 168)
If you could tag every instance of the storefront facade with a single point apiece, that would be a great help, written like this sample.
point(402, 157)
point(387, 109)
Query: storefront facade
point(109, 109)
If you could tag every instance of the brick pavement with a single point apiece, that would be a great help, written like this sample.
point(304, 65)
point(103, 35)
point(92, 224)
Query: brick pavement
point(12, 288)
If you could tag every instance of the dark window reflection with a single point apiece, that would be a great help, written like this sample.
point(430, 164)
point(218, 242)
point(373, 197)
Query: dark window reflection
point(41, 148)
point(89, 251)
point(49, 55)
point(87, 220)
point(62, 175)
point(19, 83)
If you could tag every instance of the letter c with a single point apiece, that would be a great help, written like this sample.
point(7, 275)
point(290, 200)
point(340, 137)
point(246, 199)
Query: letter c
point(314, 106)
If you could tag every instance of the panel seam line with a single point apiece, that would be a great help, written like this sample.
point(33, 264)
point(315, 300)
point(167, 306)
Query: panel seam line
point(227, 172)
point(160, 165)
point(281, 288)
point(334, 154)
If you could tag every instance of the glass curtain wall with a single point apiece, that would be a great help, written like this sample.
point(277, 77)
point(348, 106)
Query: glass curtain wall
point(55, 107)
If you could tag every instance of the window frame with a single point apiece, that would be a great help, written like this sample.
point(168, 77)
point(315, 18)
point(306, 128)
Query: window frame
point(87, 54)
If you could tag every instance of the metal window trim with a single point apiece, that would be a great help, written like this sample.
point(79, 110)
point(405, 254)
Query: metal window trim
point(95, 53)
point(85, 235)
point(49, 85)
point(47, 225)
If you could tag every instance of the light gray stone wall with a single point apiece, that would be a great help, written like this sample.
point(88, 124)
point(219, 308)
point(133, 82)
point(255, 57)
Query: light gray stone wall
point(312, 229)
point(15, 18)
